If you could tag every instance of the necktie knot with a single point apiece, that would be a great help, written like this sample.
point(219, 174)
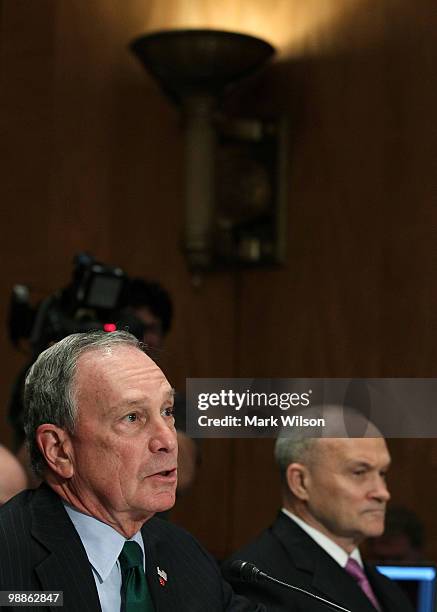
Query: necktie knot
point(131, 556)
point(355, 570)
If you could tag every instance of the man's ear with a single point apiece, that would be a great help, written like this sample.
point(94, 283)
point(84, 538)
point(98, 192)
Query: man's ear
point(55, 446)
point(297, 480)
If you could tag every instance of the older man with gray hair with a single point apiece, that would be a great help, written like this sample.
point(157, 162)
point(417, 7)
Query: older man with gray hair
point(100, 428)
point(334, 494)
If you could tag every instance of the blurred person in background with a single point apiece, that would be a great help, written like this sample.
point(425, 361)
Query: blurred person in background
point(403, 538)
point(12, 476)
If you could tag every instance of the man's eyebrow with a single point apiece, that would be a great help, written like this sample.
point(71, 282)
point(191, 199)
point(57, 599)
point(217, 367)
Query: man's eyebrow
point(362, 463)
point(128, 403)
point(124, 404)
point(359, 463)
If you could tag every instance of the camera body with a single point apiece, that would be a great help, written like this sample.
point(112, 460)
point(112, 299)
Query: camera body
point(96, 298)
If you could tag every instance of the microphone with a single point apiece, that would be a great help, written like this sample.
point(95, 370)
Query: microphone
point(248, 572)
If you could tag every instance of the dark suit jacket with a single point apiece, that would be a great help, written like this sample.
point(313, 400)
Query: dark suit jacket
point(41, 550)
point(286, 552)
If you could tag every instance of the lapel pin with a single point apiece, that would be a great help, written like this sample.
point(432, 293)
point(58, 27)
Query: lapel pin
point(162, 576)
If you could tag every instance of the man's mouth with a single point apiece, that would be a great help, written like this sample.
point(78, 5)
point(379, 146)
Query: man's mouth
point(171, 473)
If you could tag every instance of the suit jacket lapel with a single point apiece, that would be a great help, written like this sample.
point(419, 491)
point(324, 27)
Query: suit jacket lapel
point(164, 595)
point(338, 586)
point(386, 597)
point(328, 579)
point(65, 562)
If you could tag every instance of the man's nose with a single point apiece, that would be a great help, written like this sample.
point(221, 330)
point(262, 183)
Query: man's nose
point(163, 436)
point(380, 490)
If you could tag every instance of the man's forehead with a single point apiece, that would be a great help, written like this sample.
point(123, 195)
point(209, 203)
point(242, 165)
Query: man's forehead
point(102, 354)
point(350, 450)
point(116, 361)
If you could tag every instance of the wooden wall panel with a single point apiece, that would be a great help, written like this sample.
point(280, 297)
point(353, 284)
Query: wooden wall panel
point(356, 293)
point(411, 483)
point(26, 109)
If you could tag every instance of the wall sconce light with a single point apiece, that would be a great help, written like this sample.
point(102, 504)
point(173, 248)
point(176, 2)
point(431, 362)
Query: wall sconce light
point(234, 168)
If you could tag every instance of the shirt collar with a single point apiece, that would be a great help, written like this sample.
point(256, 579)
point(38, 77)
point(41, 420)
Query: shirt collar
point(328, 545)
point(102, 543)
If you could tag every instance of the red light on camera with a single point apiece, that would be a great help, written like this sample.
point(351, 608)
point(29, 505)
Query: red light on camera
point(109, 327)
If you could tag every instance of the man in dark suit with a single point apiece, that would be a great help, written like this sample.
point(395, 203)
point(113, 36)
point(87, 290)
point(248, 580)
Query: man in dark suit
point(334, 496)
point(100, 427)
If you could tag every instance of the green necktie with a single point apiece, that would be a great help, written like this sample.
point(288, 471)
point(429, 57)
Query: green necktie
point(135, 596)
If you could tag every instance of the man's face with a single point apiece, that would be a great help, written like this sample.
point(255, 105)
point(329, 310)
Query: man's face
point(124, 446)
point(347, 491)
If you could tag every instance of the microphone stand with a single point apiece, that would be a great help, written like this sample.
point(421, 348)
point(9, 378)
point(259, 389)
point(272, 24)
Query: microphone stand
point(248, 572)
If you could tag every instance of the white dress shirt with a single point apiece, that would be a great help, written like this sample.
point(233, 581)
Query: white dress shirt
point(333, 549)
point(103, 545)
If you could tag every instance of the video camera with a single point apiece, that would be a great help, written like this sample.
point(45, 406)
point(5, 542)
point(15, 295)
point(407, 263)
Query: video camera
point(96, 298)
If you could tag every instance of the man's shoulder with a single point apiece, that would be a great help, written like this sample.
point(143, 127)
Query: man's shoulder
point(29, 515)
point(16, 545)
point(263, 545)
point(43, 498)
point(14, 511)
point(20, 499)
point(275, 544)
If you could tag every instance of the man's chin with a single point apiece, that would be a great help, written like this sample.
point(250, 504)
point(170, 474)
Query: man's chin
point(165, 502)
point(374, 529)
point(168, 506)
point(145, 512)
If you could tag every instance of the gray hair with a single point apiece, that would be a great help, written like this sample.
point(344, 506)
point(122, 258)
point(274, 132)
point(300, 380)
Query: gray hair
point(49, 389)
point(292, 450)
point(341, 422)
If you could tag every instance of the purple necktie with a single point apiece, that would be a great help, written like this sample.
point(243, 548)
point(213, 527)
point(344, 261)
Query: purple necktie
point(355, 570)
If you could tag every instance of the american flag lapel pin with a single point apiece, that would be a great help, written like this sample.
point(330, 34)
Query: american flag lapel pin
point(162, 576)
